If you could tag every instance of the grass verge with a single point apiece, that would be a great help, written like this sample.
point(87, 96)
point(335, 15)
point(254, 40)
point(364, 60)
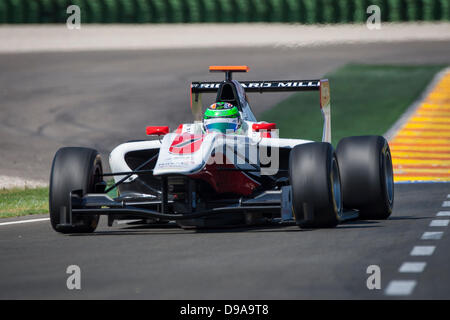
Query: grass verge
point(19, 202)
point(365, 99)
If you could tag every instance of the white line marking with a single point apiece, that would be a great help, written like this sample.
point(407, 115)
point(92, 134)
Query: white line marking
point(446, 204)
point(23, 221)
point(432, 235)
point(443, 214)
point(412, 267)
point(439, 223)
point(400, 287)
point(448, 196)
point(422, 250)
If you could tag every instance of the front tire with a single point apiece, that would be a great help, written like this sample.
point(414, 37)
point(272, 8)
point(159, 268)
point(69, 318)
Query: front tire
point(316, 187)
point(73, 168)
point(367, 175)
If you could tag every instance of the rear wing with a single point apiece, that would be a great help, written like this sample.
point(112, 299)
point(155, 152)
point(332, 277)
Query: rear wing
point(262, 86)
point(321, 85)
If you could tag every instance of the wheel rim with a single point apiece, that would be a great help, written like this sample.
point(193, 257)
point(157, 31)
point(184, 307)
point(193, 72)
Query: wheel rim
point(389, 176)
point(336, 183)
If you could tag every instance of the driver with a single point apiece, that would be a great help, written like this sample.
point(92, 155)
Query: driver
point(222, 117)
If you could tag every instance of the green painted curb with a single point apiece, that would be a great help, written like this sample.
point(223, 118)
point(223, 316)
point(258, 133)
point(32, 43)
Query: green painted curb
point(94, 11)
point(331, 11)
point(174, 10)
point(191, 11)
point(109, 9)
point(142, 10)
point(15, 12)
point(210, 11)
point(31, 11)
point(242, 12)
point(275, 11)
point(225, 12)
point(346, 11)
point(3, 12)
point(310, 11)
point(291, 11)
point(258, 11)
point(445, 5)
point(158, 11)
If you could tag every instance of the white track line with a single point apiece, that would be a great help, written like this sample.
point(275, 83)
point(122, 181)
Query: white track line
point(23, 221)
point(439, 223)
point(422, 250)
point(406, 287)
point(412, 267)
point(400, 287)
point(432, 235)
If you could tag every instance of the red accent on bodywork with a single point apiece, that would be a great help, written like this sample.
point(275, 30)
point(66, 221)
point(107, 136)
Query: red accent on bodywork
point(179, 129)
point(263, 126)
point(226, 181)
point(186, 143)
point(159, 131)
point(264, 129)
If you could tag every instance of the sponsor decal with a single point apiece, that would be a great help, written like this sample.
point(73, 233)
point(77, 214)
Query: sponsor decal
point(261, 84)
point(186, 144)
point(205, 85)
point(281, 84)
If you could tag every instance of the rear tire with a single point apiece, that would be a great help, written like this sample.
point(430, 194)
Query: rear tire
point(316, 188)
point(73, 169)
point(367, 175)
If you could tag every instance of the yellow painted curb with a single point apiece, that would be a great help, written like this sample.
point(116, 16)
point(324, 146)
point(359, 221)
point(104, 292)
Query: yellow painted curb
point(421, 148)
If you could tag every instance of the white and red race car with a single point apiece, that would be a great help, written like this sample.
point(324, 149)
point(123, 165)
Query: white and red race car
point(207, 179)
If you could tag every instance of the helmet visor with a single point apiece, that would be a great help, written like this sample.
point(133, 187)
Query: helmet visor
point(222, 125)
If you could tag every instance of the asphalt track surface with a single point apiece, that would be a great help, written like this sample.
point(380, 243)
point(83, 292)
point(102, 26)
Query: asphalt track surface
point(100, 99)
point(273, 262)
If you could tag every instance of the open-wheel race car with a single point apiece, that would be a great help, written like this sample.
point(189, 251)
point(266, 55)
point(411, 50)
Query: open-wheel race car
point(226, 169)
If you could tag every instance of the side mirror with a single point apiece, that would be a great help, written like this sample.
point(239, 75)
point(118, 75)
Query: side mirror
point(263, 126)
point(159, 131)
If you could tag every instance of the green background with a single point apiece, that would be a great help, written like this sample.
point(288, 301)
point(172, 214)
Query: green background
point(365, 99)
point(195, 11)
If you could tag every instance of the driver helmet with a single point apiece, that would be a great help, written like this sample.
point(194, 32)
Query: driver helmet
point(222, 117)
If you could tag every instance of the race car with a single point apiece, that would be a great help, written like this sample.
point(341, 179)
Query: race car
point(226, 169)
